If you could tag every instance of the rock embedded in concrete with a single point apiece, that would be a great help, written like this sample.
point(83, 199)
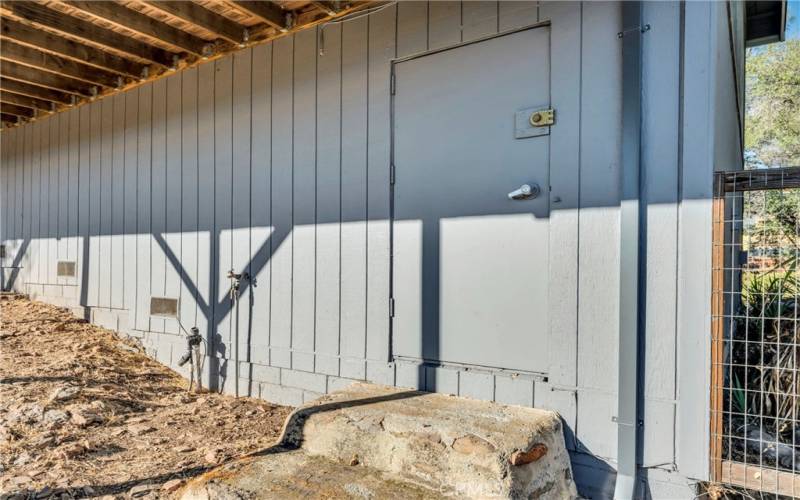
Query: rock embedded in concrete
point(533, 454)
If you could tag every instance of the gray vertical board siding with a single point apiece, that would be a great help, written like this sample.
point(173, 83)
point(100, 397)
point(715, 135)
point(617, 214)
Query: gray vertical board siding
point(206, 241)
point(598, 279)
point(260, 220)
point(158, 182)
point(281, 199)
point(354, 192)
point(304, 199)
point(479, 19)
point(84, 202)
point(144, 240)
point(63, 190)
point(328, 192)
point(565, 75)
point(382, 45)
point(74, 188)
point(117, 277)
point(6, 143)
point(279, 154)
point(514, 14)
point(130, 179)
point(26, 206)
point(95, 200)
point(660, 122)
point(172, 232)
point(55, 196)
point(223, 187)
point(412, 28)
point(240, 216)
point(444, 24)
point(694, 251)
point(35, 187)
point(189, 200)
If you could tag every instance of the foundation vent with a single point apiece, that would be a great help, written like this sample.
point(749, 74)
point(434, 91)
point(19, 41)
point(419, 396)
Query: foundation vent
point(65, 269)
point(164, 306)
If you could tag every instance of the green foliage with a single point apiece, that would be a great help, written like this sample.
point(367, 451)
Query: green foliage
point(772, 124)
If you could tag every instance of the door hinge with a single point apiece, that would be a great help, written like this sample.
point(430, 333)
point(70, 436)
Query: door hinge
point(392, 84)
point(392, 177)
point(391, 307)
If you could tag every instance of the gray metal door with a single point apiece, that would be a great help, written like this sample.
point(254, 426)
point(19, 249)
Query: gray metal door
point(470, 265)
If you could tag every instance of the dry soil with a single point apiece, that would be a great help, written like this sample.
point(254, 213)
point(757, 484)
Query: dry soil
point(84, 413)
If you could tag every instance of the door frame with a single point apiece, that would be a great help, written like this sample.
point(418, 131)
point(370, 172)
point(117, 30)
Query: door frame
point(392, 356)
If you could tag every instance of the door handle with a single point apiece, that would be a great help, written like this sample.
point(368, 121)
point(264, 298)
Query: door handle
point(525, 192)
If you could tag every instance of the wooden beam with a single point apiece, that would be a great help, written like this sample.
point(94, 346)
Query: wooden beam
point(13, 109)
point(28, 102)
point(330, 8)
point(35, 76)
point(31, 57)
point(70, 25)
point(120, 15)
point(266, 11)
point(6, 118)
point(36, 91)
point(15, 30)
point(203, 18)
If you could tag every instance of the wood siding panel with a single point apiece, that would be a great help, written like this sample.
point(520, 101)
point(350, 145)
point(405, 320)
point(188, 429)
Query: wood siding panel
point(354, 193)
point(240, 217)
point(260, 202)
point(95, 200)
point(381, 45)
point(189, 199)
point(328, 193)
point(281, 198)
point(158, 207)
point(172, 235)
point(129, 253)
point(304, 200)
point(143, 209)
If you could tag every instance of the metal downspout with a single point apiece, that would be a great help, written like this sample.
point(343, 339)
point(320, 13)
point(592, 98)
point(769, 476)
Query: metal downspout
point(630, 249)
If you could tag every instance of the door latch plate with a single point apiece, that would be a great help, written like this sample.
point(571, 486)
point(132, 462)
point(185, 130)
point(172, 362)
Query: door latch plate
point(533, 122)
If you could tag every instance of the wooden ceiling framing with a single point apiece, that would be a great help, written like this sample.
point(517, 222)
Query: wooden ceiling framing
point(58, 54)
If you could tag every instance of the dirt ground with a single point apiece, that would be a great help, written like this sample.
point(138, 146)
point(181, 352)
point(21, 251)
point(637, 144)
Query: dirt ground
point(84, 413)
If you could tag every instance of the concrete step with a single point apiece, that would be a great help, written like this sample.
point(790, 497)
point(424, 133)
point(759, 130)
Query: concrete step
point(285, 474)
point(442, 444)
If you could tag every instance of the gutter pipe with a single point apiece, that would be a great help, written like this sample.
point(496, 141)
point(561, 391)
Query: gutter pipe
point(630, 252)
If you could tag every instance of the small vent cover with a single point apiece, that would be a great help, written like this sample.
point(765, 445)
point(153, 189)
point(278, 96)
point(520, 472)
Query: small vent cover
point(65, 269)
point(163, 306)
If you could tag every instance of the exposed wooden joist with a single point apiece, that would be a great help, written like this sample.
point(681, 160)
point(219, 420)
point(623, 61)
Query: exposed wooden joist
point(36, 91)
point(27, 101)
point(330, 8)
point(31, 57)
point(44, 78)
point(120, 15)
point(10, 119)
point(13, 109)
point(266, 11)
point(14, 30)
point(84, 30)
point(204, 18)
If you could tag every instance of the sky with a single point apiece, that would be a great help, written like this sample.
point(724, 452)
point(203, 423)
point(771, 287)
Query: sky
point(793, 20)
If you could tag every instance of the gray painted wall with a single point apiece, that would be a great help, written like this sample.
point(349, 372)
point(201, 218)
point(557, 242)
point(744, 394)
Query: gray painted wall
point(274, 160)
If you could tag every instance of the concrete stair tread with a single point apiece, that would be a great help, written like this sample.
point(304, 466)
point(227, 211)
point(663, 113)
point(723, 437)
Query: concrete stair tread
point(282, 474)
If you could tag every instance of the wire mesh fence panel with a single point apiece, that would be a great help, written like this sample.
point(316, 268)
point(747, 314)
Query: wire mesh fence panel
point(755, 384)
